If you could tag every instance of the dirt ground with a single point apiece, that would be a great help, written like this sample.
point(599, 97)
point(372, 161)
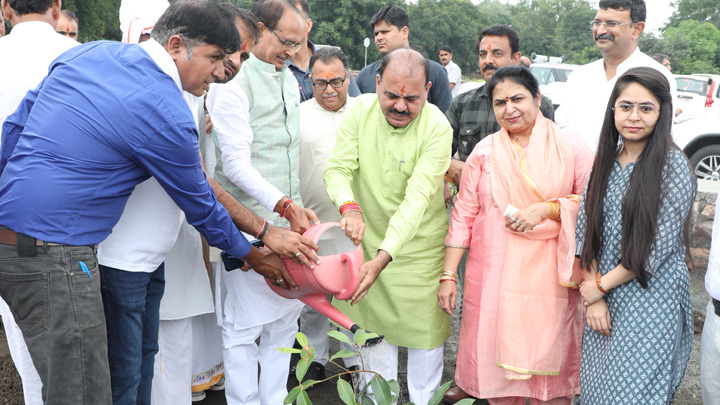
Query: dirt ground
point(325, 394)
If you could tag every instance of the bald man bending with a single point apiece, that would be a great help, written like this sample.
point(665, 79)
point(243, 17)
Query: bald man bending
point(391, 153)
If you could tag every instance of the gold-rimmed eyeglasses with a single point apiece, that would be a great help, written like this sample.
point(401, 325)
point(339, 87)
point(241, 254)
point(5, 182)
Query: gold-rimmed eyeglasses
point(608, 24)
point(643, 109)
point(287, 44)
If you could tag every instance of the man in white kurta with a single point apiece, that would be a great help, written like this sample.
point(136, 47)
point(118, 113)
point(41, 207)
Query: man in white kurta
point(320, 118)
point(616, 33)
point(29, 48)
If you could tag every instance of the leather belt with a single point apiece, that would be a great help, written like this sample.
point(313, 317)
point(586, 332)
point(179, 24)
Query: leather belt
point(9, 237)
point(716, 304)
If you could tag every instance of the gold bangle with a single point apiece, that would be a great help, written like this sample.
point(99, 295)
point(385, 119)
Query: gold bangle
point(450, 274)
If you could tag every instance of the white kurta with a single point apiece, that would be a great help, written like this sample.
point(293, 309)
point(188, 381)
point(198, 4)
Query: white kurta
point(589, 91)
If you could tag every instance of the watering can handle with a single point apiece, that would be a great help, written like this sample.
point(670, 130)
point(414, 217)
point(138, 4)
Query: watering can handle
point(351, 261)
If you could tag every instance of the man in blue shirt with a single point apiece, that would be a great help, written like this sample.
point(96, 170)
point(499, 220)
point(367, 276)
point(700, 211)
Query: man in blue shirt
point(107, 117)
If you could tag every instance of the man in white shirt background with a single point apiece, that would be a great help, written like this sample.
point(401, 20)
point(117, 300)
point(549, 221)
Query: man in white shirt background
point(33, 45)
point(616, 29)
point(453, 70)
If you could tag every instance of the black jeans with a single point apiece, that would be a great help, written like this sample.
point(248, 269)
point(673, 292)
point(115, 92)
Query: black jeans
point(59, 310)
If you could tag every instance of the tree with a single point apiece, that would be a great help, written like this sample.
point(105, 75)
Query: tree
point(98, 18)
point(345, 23)
point(456, 23)
point(698, 10)
point(693, 47)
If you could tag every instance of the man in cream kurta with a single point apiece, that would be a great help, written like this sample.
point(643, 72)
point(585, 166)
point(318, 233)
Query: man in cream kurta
point(390, 156)
point(320, 118)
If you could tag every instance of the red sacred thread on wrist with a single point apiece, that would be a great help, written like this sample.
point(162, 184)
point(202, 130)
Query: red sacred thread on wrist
point(285, 207)
point(350, 206)
point(264, 229)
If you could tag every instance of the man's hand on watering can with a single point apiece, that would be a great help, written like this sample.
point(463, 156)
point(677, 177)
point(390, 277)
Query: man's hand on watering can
point(300, 218)
point(370, 271)
point(268, 264)
point(353, 224)
point(292, 245)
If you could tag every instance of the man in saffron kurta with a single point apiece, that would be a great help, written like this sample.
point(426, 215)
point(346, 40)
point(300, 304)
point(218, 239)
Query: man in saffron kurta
point(390, 156)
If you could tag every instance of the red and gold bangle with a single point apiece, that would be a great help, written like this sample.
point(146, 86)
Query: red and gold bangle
point(448, 278)
point(348, 206)
point(599, 284)
point(285, 207)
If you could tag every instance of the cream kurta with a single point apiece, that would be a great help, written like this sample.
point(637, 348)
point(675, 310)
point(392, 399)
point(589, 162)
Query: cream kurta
point(396, 175)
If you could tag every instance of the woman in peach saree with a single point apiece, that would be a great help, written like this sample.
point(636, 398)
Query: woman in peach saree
point(522, 321)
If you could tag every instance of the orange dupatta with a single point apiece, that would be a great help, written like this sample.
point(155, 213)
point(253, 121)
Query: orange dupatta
point(538, 266)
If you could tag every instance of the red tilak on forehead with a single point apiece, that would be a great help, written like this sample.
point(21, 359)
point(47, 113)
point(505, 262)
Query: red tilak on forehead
point(489, 48)
point(244, 47)
point(507, 99)
point(402, 91)
point(327, 75)
point(67, 28)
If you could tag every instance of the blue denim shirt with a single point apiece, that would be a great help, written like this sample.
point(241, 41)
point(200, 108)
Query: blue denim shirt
point(106, 118)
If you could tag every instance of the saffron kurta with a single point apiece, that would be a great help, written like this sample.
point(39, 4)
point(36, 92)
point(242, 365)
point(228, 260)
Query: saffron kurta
point(478, 223)
point(396, 175)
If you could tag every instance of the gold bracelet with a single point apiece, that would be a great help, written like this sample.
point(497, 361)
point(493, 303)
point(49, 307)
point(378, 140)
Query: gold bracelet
point(450, 274)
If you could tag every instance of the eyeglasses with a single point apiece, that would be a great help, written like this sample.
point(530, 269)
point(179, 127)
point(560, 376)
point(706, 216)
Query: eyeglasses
point(643, 110)
point(287, 44)
point(322, 84)
point(608, 24)
point(667, 65)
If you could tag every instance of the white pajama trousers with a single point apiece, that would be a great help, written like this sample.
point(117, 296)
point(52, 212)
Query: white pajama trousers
point(424, 367)
point(710, 358)
point(32, 385)
point(242, 355)
point(172, 378)
point(316, 326)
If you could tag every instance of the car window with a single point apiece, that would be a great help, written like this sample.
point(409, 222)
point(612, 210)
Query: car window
point(692, 85)
point(543, 75)
point(563, 74)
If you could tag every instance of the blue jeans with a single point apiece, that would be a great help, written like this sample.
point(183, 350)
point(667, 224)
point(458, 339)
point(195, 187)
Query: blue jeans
point(57, 306)
point(132, 309)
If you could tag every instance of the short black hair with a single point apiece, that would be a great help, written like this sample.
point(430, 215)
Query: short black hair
point(22, 7)
point(304, 6)
point(327, 54)
point(411, 57)
point(269, 12)
point(516, 74)
point(501, 31)
point(198, 23)
point(659, 57)
point(445, 48)
point(636, 7)
point(248, 19)
point(392, 15)
point(70, 15)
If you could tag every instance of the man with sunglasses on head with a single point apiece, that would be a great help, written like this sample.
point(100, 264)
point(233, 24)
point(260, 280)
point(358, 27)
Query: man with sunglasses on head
point(256, 120)
point(616, 29)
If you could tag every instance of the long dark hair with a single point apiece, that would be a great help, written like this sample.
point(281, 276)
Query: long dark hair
point(641, 203)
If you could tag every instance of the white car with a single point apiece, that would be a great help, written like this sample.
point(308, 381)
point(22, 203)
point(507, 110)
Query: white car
point(552, 78)
point(699, 138)
point(698, 95)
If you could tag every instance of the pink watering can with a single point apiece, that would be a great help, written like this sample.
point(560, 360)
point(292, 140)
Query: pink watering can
point(337, 273)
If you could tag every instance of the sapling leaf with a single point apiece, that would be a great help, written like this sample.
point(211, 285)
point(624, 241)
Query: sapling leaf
point(301, 338)
point(361, 336)
point(381, 391)
point(288, 350)
point(394, 387)
point(466, 401)
point(303, 399)
point(437, 396)
point(339, 336)
point(345, 392)
point(292, 395)
point(301, 369)
point(343, 354)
